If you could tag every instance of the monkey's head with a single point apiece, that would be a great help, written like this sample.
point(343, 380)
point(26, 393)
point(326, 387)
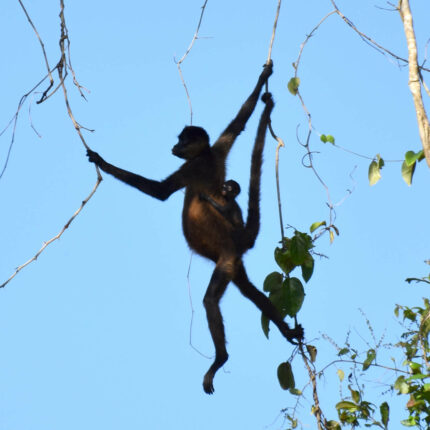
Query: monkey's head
point(230, 189)
point(192, 141)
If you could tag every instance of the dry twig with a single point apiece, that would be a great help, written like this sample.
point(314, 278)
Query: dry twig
point(62, 67)
point(178, 63)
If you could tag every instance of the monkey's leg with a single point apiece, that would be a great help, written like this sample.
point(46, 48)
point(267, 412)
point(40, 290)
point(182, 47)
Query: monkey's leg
point(265, 305)
point(217, 286)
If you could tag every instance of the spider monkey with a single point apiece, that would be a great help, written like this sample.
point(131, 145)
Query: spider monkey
point(205, 229)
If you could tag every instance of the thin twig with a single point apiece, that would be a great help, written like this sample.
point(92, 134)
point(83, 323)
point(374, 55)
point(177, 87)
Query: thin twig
point(66, 226)
point(178, 63)
point(312, 376)
point(51, 79)
point(273, 134)
point(370, 41)
point(14, 121)
point(192, 312)
point(61, 67)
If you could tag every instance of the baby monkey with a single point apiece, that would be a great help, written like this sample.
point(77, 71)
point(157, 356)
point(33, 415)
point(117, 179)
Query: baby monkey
point(230, 210)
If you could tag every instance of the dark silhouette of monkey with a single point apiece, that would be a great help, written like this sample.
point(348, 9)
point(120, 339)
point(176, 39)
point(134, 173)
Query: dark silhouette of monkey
point(207, 232)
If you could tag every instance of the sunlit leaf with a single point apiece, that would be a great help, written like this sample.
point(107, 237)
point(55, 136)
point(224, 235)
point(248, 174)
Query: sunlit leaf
point(401, 386)
point(312, 351)
point(333, 425)
point(411, 157)
point(408, 172)
point(330, 138)
point(355, 396)
point(293, 86)
point(340, 374)
point(317, 224)
point(371, 355)
point(374, 173)
point(346, 405)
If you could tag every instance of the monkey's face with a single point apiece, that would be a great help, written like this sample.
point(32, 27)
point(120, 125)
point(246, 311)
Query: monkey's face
point(191, 142)
point(188, 149)
point(230, 189)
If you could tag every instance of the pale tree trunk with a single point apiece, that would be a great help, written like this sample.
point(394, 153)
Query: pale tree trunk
point(414, 77)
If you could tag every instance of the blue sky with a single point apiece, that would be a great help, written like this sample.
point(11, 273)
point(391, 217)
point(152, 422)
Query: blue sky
point(95, 334)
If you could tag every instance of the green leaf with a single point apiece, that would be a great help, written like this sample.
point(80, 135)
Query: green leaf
point(401, 386)
point(273, 282)
point(371, 355)
point(293, 86)
point(330, 138)
point(385, 412)
point(317, 224)
point(265, 325)
point(341, 374)
point(299, 247)
point(408, 172)
point(295, 392)
point(346, 405)
point(284, 260)
point(308, 267)
point(355, 396)
point(333, 425)
point(323, 138)
point(374, 173)
point(343, 351)
point(294, 297)
point(411, 157)
point(285, 376)
point(415, 367)
point(312, 351)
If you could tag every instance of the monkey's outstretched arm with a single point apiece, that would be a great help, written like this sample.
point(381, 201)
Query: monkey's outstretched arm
point(159, 189)
point(227, 138)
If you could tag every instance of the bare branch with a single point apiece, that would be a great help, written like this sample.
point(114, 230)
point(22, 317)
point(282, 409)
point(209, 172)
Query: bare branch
point(61, 67)
point(178, 63)
point(370, 41)
point(66, 226)
point(414, 77)
point(51, 79)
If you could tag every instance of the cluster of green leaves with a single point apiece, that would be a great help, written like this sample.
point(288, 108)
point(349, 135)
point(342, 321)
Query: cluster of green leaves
point(352, 411)
point(415, 346)
point(408, 167)
point(286, 292)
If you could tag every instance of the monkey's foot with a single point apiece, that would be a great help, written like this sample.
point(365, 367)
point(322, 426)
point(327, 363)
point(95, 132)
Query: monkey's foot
point(292, 334)
point(208, 386)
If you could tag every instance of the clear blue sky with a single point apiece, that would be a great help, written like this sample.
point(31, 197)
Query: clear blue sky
point(95, 334)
